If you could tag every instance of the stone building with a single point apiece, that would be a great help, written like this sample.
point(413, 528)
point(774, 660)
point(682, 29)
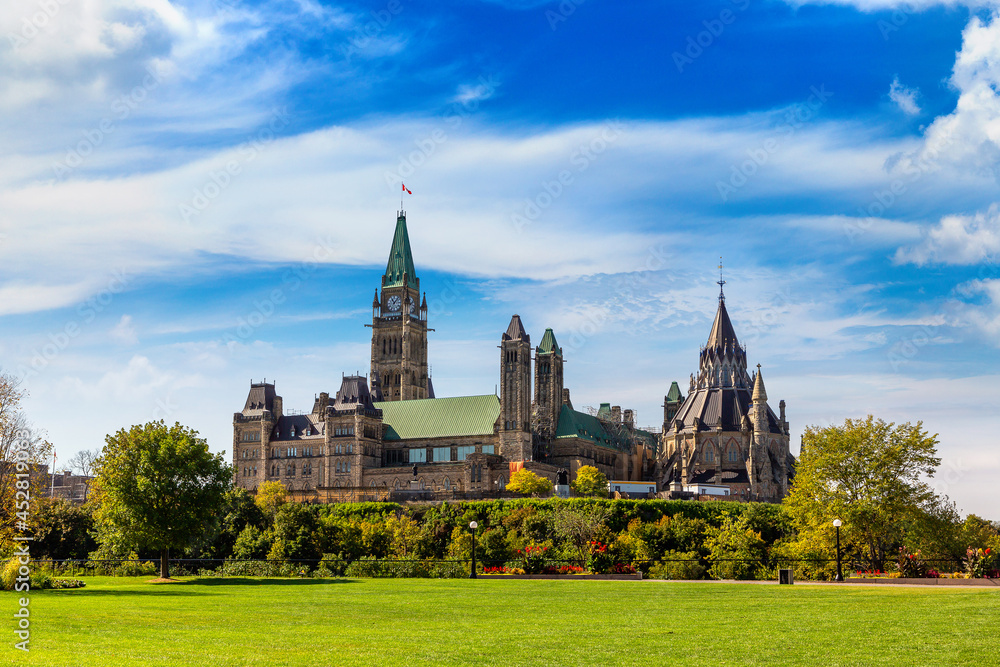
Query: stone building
point(724, 435)
point(388, 433)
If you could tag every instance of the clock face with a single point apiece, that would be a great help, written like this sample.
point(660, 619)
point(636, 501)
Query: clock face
point(394, 303)
point(412, 305)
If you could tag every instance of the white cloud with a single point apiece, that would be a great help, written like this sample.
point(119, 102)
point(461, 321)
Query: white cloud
point(908, 6)
point(957, 239)
point(968, 139)
point(124, 331)
point(984, 310)
point(905, 98)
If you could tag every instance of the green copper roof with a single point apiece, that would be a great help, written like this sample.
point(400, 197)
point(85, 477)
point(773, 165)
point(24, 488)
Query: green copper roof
point(573, 424)
point(674, 395)
point(439, 417)
point(400, 258)
point(604, 412)
point(549, 343)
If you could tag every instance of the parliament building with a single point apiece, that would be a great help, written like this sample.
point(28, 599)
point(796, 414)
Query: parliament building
point(386, 435)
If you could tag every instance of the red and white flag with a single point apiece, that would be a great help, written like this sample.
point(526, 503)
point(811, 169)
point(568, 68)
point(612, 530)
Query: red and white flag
point(405, 190)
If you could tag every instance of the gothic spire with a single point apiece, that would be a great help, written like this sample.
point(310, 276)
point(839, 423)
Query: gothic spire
point(759, 394)
point(400, 269)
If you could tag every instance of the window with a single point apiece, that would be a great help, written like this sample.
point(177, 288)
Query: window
point(293, 451)
point(336, 450)
point(709, 456)
point(447, 484)
point(308, 431)
point(734, 455)
point(350, 449)
point(418, 455)
point(292, 432)
point(442, 454)
point(488, 449)
point(290, 471)
point(463, 452)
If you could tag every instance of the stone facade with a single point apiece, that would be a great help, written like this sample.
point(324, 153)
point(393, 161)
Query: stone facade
point(387, 435)
point(724, 433)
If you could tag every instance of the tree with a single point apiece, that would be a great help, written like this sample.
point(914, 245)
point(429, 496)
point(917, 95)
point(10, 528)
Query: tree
point(528, 483)
point(579, 526)
point(158, 488)
point(869, 474)
point(62, 530)
point(82, 463)
point(23, 449)
point(270, 497)
point(590, 482)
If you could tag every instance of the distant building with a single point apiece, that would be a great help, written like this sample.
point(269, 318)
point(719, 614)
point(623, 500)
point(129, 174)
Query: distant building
point(389, 434)
point(66, 485)
point(723, 438)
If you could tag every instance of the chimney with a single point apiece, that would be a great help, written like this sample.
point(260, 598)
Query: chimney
point(629, 417)
point(616, 414)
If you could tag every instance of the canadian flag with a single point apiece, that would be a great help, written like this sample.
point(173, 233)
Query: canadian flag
point(405, 190)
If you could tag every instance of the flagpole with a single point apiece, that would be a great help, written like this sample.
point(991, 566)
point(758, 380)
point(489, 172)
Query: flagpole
point(52, 475)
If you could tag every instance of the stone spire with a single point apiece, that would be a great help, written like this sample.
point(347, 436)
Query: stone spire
point(759, 394)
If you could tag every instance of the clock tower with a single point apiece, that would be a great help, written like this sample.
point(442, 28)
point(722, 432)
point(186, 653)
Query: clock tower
point(399, 326)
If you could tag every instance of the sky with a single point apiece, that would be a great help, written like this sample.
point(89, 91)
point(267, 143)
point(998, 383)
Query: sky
point(195, 194)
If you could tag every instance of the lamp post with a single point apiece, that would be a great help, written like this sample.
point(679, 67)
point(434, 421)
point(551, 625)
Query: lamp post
point(472, 571)
point(837, 524)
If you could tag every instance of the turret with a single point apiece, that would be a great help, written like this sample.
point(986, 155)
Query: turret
point(515, 392)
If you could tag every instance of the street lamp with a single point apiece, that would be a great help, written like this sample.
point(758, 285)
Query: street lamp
point(472, 572)
point(836, 524)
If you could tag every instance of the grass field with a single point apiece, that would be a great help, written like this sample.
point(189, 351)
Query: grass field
point(482, 622)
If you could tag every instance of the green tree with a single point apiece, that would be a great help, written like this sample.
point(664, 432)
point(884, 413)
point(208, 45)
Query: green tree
point(736, 551)
point(869, 474)
point(590, 482)
point(270, 497)
point(159, 488)
point(62, 530)
point(528, 483)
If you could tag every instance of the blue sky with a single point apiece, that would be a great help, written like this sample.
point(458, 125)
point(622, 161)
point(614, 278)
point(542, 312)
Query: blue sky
point(195, 193)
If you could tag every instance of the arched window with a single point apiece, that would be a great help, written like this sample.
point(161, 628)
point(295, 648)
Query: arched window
point(501, 483)
point(395, 483)
point(447, 484)
point(734, 455)
point(709, 456)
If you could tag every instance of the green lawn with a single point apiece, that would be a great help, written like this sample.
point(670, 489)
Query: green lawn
point(463, 622)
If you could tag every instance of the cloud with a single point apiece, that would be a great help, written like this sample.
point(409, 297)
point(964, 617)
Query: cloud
point(905, 98)
point(957, 240)
point(124, 331)
point(968, 139)
point(979, 306)
point(905, 5)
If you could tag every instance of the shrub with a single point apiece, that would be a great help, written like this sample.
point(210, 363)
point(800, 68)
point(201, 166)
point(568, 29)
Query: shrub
point(911, 566)
point(980, 563)
point(678, 565)
point(600, 560)
point(736, 551)
point(533, 558)
point(40, 581)
point(405, 569)
point(9, 576)
point(67, 583)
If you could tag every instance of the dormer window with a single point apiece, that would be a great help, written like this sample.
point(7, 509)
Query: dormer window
point(292, 432)
point(308, 431)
